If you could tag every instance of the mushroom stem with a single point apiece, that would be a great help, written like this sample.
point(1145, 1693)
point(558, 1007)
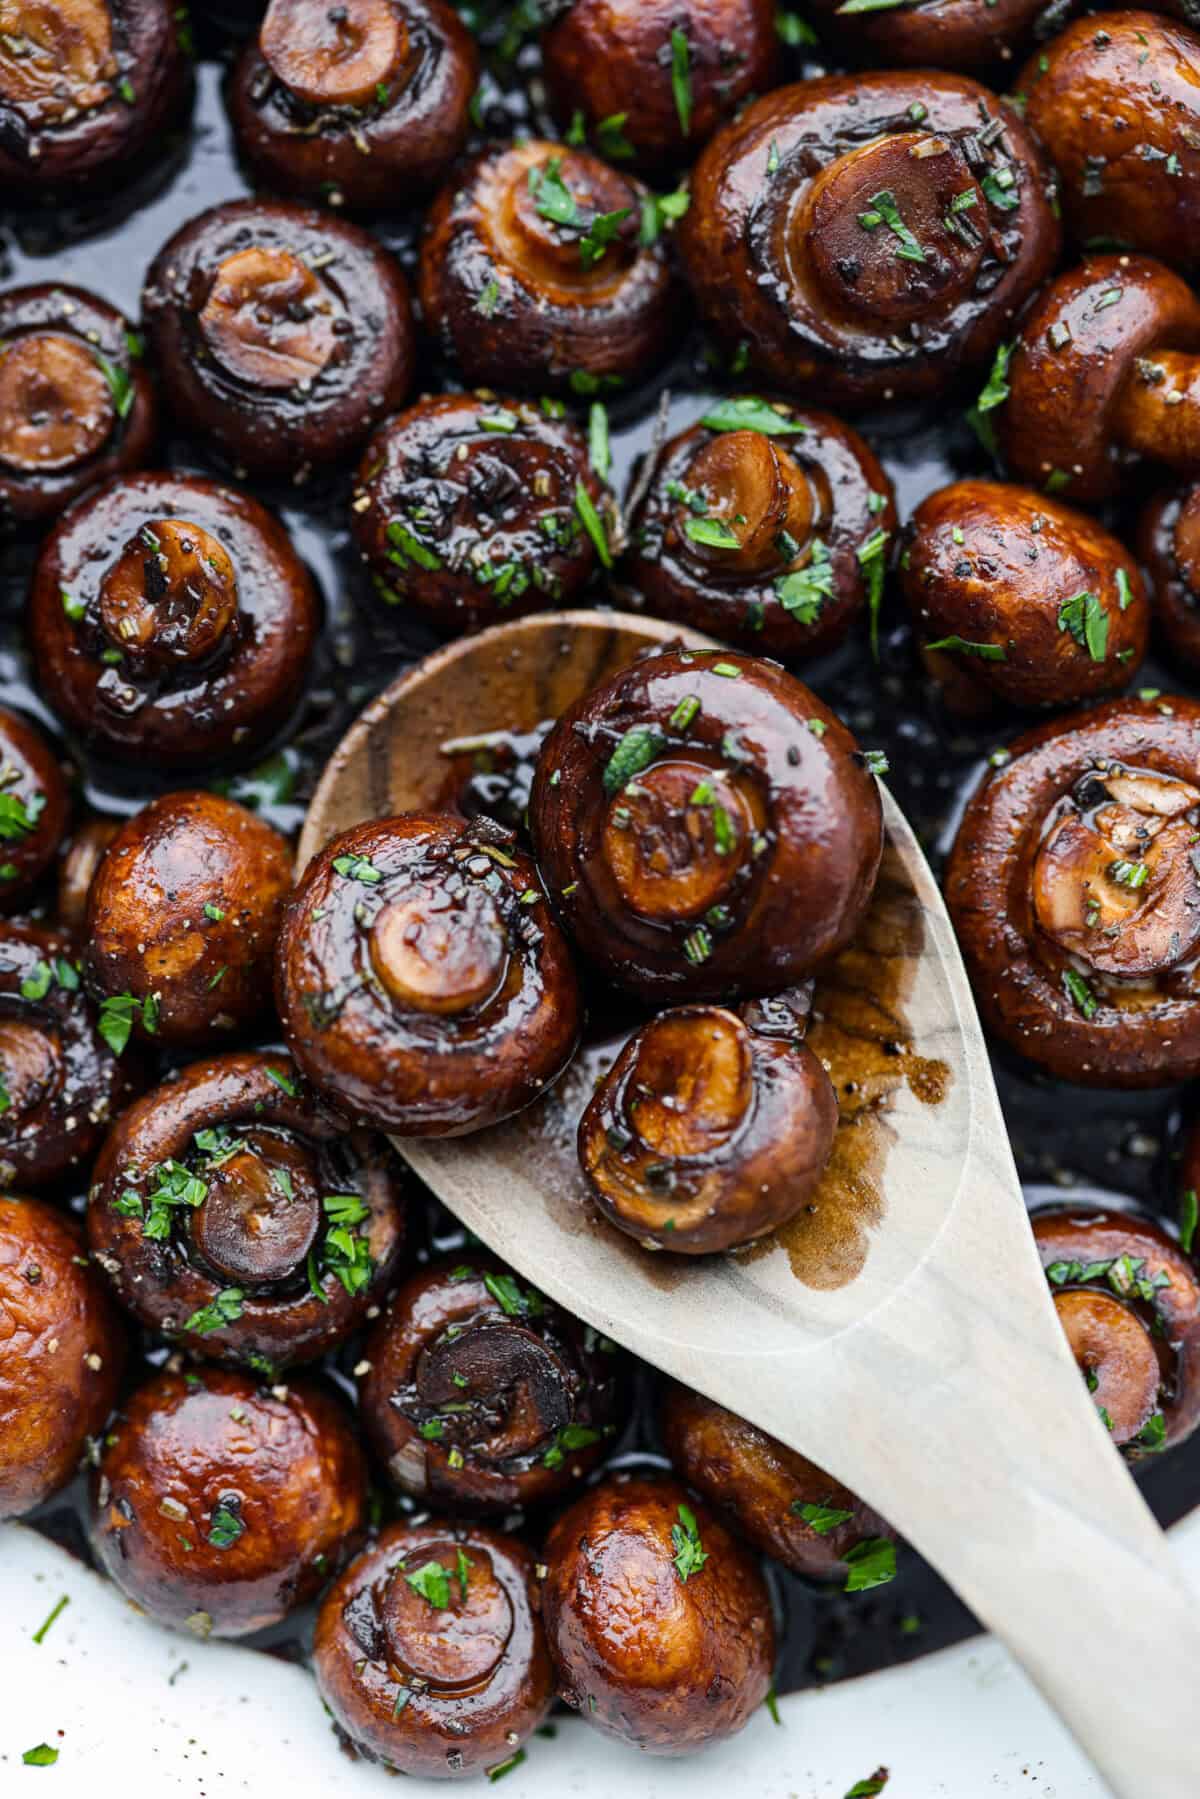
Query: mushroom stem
point(1157, 412)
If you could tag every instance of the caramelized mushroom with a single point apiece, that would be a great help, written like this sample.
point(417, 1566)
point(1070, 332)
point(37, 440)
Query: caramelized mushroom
point(710, 1128)
point(182, 918)
point(76, 404)
point(61, 1352)
point(283, 334)
point(659, 1623)
point(1169, 545)
point(430, 1653)
point(777, 1500)
point(367, 100)
point(81, 857)
point(1128, 1299)
point(678, 810)
point(422, 983)
point(1017, 598)
point(765, 526)
point(1074, 888)
point(468, 508)
point(533, 270)
point(219, 1506)
point(653, 79)
point(868, 236)
point(34, 804)
point(931, 34)
point(171, 617)
point(481, 1394)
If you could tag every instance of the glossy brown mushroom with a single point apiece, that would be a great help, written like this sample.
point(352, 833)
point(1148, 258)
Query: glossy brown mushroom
point(34, 805)
point(777, 1500)
point(710, 1129)
point(238, 1216)
point(1074, 889)
point(1105, 371)
point(219, 1506)
point(283, 334)
point(679, 808)
point(467, 509)
point(1128, 1299)
point(60, 1082)
point(867, 237)
point(422, 982)
point(653, 79)
point(182, 918)
point(930, 34)
point(766, 526)
point(480, 1394)
point(532, 270)
point(430, 1653)
point(171, 618)
point(84, 86)
point(76, 403)
point(367, 101)
point(1168, 541)
point(61, 1352)
point(1017, 598)
point(658, 1621)
point(81, 856)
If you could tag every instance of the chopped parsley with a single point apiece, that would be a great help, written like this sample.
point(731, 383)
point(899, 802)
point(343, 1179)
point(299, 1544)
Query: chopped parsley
point(804, 591)
point(821, 1518)
point(358, 868)
point(883, 210)
point(635, 752)
point(117, 1015)
point(226, 1524)
point(224, 1308)
point(681, 78)
point(1087, 621)
point(593, 524)
point(987, 652)
point(1189, 1215)
point(871, 1563)
point(749, 413)
point(690, 1555)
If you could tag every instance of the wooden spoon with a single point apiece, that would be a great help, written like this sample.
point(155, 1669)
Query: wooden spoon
point(902, 1332)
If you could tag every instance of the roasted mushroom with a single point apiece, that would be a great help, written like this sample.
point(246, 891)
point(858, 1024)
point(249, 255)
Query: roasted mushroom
point(480, 1394)
point(1128, 1299)
point(930, 34)
point(422, 983)
point(1017, 598)
point(658, 1621)
point(172, 618)
point(76, 404)
point(867, 237)
point(182, 918)
point(218, 1506)
point(679, 809)
point(283, 334)
point(366, 101)
point(777, 1500)
point(80, 858)
point(61, 1353)
point(1074, 887)
point(84, 86)
point(533, 270)
point(34, 804)
point(235, 1214)
point(651, 80)
point(766, 526)
point(1169, 545)
point(471, 509)
point(430, 1653)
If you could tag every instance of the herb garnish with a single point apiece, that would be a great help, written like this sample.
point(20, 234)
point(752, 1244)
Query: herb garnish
point(690, 1555)
point(871, 1563)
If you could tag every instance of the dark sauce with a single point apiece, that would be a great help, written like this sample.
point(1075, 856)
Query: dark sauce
point(1068, 1142)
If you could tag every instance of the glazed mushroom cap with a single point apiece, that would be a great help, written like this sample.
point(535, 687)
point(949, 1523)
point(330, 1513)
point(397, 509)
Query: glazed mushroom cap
point(84, 86)
point(659, 1622)
point(678, 810)
point(1128, 1299)
point(237, 1215)
point(653, 79)
point(219, 1506)
point(76, 404)
point(182, 917)
point(1015, 597)
point(170, 617)
point(430, 1653)
point(34, 804)
point(1104, 371)
point(61, 1081)
point(422, 983)
point(61, 1353)
point(1168, 540)
point(481, 1394)
point(467, 509)
point(524, 287)
point(766, 526)
point(283, 334)
point(932, 34)
point(79, 859)
point(777, 1500)
point(1074, 892)
point(372, 103)
point(706, 1132)
point(867, 237)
